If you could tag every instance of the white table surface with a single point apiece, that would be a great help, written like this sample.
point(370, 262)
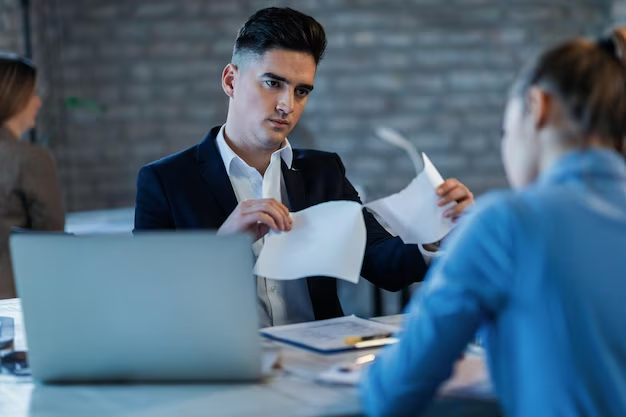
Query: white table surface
point(282, 394)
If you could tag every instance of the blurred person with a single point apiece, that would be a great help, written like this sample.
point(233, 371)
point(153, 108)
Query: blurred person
point(30, 196)
point(245, 177)
point(540, 269)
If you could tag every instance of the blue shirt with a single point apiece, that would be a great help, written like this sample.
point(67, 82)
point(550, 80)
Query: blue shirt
point(543, 271)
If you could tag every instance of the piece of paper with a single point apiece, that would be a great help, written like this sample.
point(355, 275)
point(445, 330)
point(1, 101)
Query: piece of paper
point(326, 240)
point(470, 378)
point(413, 213)
point(327, 335)
point(346, 373)
point(270, 358)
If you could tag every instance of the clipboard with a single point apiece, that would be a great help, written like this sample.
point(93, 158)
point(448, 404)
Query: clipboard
point(328, 336)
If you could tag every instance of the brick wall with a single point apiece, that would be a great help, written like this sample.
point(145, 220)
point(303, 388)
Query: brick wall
point(619, 12)
point(131, 81)
point(11, 26)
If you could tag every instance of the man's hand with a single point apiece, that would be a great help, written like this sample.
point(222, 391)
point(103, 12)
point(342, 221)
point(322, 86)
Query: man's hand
point(454, 191)
point(257, 217)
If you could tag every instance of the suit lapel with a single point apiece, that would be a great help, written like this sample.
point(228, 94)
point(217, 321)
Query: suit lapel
point(295, 188)
point(294, 184)
point(214, 173)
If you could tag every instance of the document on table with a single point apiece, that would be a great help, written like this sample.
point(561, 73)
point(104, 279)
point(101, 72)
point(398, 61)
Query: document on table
point(326, 240)
point(327, 336)
point(470, 378)
point(413, 213)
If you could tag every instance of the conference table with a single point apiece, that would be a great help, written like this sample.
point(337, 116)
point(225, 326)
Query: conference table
point(291, 388)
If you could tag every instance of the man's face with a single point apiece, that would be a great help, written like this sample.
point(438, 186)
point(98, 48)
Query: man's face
point(268, 96)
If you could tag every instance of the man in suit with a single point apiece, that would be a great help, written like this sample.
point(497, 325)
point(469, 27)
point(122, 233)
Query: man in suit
point(244, 175)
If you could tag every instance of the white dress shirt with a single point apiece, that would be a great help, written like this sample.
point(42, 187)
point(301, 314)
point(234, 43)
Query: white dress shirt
point(279, 302)
point(428, 255)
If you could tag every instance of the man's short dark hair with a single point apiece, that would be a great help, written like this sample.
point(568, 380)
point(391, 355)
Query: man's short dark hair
point(280, 28)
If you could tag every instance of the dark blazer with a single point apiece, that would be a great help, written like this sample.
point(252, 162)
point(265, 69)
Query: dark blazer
point(191, 190)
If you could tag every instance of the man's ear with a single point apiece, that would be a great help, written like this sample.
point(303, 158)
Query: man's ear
point(539, 104)
point(229, 76)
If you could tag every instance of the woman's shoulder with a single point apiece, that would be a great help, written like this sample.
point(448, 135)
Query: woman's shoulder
point(519, 200)
point(26, 160)
point(28, 152)
point(506, 207)
point(495, 201)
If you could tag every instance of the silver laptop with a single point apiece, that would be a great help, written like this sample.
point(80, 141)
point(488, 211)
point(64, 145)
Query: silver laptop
point(153, 307)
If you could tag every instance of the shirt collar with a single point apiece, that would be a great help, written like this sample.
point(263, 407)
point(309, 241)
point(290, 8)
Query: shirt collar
point(228, 155)
point(580, 165)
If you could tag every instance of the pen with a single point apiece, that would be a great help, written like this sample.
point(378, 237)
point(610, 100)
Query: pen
point(352, 340)
point(357, 363)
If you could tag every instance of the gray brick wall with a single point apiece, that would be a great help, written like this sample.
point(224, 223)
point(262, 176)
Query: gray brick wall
point(619, 12)
point(11, 26)
point(131, 81)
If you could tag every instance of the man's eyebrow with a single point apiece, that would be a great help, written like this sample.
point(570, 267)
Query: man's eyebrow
point(284, 80)
point(275, 77)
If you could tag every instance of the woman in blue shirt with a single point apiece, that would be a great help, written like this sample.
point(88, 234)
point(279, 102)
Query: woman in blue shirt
point(542, 269)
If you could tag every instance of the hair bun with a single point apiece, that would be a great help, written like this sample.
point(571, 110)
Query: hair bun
point(614, 44)
point(607, 45)
point(619, 43)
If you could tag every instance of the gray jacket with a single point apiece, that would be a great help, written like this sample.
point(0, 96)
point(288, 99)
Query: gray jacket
point(30, 197)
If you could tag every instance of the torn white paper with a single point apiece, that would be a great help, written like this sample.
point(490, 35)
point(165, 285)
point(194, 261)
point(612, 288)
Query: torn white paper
point(326, 240)
point(413, 213)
